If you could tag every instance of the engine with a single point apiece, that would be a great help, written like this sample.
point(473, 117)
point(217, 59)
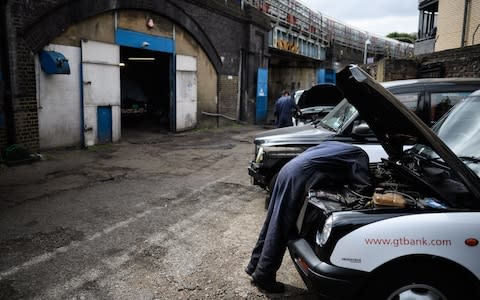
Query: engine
point(392, 189)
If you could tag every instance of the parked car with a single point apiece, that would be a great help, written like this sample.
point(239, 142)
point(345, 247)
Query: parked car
point(415, 235)
point(316, 102)
point(274, 148)
point(430, 98)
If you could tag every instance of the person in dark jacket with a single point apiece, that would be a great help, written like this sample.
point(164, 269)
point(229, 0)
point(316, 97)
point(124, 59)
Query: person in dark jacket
point(284, 108)
point(330, 161)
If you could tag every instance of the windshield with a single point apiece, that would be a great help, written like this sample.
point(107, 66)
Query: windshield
point(337, 118)
point(460, 131)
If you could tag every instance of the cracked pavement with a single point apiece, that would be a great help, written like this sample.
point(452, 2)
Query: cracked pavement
point(156, 216)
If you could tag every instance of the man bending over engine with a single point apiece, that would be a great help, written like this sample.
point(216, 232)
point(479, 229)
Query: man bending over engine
point(328, 162)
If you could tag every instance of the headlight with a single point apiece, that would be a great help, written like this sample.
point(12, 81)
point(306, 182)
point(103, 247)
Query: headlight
point(322, 237)
point(259, 157)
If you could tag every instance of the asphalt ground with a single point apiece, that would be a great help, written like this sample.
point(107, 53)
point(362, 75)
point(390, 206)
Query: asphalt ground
point(155, 216)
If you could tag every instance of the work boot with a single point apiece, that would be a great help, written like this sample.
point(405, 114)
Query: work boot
point(269, 285)
point(249, 270)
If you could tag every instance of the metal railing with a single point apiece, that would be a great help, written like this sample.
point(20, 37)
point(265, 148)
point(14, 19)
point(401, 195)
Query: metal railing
point(300, 20)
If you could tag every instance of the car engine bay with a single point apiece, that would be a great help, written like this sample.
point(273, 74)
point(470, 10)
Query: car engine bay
point(407, 186)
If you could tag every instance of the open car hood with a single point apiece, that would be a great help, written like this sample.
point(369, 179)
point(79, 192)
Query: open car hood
point(394, 124)
point(325, 94)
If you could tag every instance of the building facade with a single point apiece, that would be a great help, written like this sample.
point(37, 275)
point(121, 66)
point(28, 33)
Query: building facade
point(447, 24)
point(80, 73)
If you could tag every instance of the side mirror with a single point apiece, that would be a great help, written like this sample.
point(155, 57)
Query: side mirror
point(361, 129)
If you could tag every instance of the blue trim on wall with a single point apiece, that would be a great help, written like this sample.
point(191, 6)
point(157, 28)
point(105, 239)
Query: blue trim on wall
point(145, 41)
point(326, 76)
point(262, 96)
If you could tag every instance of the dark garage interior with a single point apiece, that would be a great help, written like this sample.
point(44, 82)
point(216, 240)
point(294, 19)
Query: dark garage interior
point(145, 90)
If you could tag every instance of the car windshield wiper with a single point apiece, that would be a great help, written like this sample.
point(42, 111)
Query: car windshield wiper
point(472, 159)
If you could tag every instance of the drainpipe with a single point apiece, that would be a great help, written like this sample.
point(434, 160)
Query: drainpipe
point(82, 106)
point(218, 100)
point(239, 85)
point(474, 34)
point(464, 26)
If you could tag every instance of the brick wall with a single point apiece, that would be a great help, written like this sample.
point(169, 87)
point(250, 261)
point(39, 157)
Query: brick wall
point(3, 136)
point(460, 62)
point(24, 98)
point(26, 122)
point(213, 23)
point(3, 129)
point(227, 98)
point(3, 108)
point(344, 55)
point(393, 69)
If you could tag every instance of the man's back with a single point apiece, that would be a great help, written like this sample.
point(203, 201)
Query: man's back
point(283, 110)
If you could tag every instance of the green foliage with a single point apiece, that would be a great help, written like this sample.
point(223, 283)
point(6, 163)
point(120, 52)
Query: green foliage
point(403, 37)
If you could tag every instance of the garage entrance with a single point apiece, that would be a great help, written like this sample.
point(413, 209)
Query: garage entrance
point(145, 83)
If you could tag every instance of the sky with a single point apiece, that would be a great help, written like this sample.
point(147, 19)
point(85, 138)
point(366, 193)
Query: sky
point(375, 16)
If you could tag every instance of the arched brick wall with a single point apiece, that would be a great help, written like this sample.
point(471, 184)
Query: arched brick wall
point(46, 27)
point(234, 40)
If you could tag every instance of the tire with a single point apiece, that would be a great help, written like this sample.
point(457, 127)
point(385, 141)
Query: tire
point(271, 185)
point(419, 281)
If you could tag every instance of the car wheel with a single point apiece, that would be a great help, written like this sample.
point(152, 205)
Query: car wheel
point(271, 185)
point(417, 291)
point(419, 281)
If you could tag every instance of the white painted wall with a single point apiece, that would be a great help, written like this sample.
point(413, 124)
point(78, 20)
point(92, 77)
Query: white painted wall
point(58, 99)
point(186, 92)
point(101, 86)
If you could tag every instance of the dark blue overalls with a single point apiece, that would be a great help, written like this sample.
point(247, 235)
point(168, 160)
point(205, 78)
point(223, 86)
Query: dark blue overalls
point(339, 162)
point(284, 108)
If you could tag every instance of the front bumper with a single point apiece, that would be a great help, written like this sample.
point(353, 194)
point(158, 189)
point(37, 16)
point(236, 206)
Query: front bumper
point(329, 281)
point(254, 170)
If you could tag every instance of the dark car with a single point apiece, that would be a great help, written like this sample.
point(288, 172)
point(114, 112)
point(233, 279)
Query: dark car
point(426, 97)
point(316, 102)
point(414, 233)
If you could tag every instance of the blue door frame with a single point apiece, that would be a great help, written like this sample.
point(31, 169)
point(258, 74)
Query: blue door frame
point(262, 96)
point(135, 39)
point(140, 40)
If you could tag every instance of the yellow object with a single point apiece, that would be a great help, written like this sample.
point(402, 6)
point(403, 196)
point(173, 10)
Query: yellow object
point(389, 199)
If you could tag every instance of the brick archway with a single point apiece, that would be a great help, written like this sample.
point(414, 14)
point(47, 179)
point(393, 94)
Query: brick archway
point(42, 30)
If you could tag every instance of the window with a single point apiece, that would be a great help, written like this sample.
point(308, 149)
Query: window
point(409, 100)
point(442, 102)
point(428, 19)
